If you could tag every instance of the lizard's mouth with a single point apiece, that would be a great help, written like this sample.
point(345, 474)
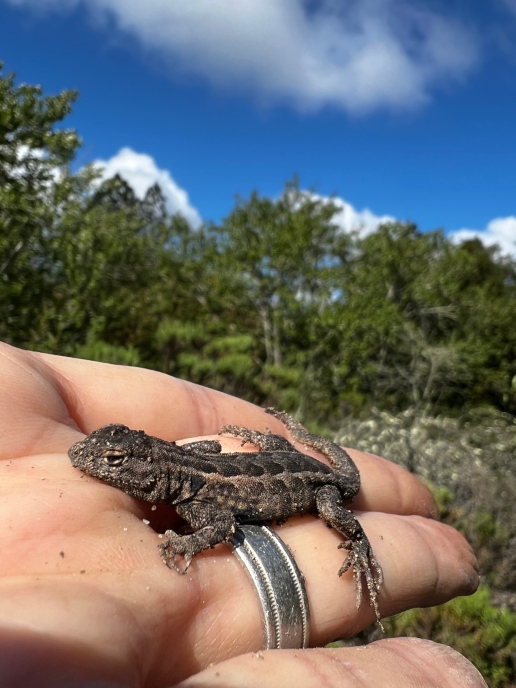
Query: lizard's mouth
point(148, 484)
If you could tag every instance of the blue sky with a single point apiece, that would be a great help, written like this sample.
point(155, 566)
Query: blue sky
point(401, 109)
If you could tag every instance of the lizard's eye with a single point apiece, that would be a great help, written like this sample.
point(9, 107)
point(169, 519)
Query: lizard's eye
point(114, 457)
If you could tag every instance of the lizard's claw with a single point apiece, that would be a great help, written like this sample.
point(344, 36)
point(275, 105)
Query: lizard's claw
point(363, 561)
point(175, 545)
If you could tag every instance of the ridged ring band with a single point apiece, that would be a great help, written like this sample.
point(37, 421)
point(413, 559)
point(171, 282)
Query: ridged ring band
point(279, 584)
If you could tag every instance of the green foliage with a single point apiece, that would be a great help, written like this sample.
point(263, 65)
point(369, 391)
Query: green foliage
point(32, 159)
point(427, 323)
point(97, 350)
point(483, 633)
point(485, 529)
point(443, 497)
point(209, 355)
point(490, 542)
point(472, 626)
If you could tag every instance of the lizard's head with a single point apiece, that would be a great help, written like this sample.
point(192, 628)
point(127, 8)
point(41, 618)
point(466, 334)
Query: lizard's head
point(120, 457)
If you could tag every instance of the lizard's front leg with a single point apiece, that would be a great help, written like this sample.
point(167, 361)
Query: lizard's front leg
point(211, 524)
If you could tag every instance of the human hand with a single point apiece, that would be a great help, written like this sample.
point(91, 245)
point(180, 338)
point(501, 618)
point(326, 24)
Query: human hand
point(85, 599)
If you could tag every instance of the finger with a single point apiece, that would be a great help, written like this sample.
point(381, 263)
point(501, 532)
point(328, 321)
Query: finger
point(424, 563)
point(396, 663)
point(388, 487)
point(45, 396)
point(31, 407)
point(98, 393)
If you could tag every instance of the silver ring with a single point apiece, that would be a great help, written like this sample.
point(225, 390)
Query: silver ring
point(279, 584)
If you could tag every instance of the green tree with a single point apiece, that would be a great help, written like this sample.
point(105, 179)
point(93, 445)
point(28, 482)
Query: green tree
point(115, 261)
point(288, 256)
point(484, 284)
point(425, 322)
point(33, 161)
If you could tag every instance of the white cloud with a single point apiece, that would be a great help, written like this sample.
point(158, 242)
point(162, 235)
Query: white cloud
point(500, 231)
point(364, 221)
point(357, 55)
point(141, 172)
point(349, 219)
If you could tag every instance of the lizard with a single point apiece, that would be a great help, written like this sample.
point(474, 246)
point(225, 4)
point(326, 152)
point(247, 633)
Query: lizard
point(214, 492)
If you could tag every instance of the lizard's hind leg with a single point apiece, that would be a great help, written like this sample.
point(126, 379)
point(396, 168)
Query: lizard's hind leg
point(337, 456)
point(360, 557)
point(203, 447)
point(264, 441)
